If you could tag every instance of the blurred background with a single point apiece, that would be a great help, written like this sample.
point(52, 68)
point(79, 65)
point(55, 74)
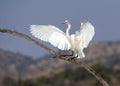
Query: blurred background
point(22, 63)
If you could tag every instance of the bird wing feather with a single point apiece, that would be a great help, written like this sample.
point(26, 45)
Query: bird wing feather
point(85, 34)
point(51, 34)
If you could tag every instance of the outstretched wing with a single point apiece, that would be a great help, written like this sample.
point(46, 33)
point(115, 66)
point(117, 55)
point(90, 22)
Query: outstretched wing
point(51, 34)
point(85, 34)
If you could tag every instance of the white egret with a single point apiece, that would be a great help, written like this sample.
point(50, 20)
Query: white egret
point(64, 41)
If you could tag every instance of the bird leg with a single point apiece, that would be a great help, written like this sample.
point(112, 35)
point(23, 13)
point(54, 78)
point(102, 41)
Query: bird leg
point(68, 53)
point(72, 54)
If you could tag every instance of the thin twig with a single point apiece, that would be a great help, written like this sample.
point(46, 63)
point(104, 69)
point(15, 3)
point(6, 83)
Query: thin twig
point(56, 55)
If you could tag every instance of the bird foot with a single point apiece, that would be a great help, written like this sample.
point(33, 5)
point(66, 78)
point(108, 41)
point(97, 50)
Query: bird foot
point(70, 57)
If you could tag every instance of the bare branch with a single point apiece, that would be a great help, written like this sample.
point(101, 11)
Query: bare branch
point(56, 55)
point(13, 32)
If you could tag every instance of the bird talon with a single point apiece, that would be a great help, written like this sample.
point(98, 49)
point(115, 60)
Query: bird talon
point(73, 58)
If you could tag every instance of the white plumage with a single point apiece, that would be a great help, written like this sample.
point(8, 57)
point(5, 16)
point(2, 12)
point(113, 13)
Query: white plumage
point(75, 42)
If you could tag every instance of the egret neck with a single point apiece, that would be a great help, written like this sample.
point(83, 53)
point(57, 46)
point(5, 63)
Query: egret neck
point(68, 29)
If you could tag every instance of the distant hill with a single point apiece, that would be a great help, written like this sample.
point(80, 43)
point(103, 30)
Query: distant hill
point(97, 49)
point(17, 65)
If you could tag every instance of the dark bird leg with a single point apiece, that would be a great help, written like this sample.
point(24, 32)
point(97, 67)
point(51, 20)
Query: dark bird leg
point(74, 55)
point(70, 54)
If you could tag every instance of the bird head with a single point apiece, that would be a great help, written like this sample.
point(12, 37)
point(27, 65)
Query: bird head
point(66, 22)
point(84, 21)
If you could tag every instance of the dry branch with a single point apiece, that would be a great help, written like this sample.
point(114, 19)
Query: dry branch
point(56, 55)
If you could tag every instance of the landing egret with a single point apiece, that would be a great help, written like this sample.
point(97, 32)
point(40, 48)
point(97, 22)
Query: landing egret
point(64, 41)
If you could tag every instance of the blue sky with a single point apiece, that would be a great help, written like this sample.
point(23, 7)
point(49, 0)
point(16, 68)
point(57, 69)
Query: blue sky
point(20, 14)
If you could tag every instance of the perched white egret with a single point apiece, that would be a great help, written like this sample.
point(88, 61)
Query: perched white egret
point(64, 41)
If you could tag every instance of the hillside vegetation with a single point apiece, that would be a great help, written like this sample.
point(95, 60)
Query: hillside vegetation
point(22, 70)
